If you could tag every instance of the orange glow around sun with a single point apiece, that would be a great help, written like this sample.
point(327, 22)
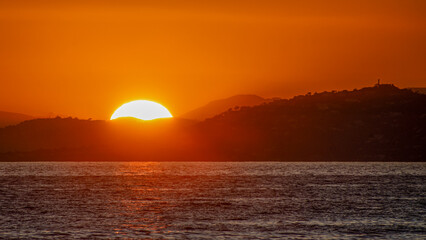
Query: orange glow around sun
point(142, 109)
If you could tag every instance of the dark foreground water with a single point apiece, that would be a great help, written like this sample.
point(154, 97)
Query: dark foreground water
point(213, 200)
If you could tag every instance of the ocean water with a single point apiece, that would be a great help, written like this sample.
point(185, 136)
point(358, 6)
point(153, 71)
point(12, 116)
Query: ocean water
point(65, 200)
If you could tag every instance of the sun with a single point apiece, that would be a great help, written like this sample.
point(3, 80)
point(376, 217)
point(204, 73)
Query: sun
point(141, 109)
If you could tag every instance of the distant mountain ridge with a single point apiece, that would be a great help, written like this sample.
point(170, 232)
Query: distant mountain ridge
point(10, 118)
point(218, 106)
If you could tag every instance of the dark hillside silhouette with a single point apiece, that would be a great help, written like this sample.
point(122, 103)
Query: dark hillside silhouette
point(52, 133)
point(71, 139)
point(381, 123)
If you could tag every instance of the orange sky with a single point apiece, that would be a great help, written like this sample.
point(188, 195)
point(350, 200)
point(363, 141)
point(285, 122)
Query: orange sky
point(84, 58)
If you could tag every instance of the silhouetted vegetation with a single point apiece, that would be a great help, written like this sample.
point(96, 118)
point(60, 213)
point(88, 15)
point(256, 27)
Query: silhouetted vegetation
point(381, 123)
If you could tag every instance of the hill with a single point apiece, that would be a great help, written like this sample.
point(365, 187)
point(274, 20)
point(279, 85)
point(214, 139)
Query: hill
point(380, 123)
point(72, 139)
point(218, 106)
point(51, 133)
point(9, 118)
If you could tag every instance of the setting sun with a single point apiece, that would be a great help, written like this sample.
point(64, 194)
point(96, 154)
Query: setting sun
point(142, 109)
point(213, 119)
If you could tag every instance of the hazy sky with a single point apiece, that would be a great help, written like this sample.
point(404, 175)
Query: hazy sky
point(85, 58)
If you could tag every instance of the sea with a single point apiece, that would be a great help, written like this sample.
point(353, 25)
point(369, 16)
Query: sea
point(212, 200)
